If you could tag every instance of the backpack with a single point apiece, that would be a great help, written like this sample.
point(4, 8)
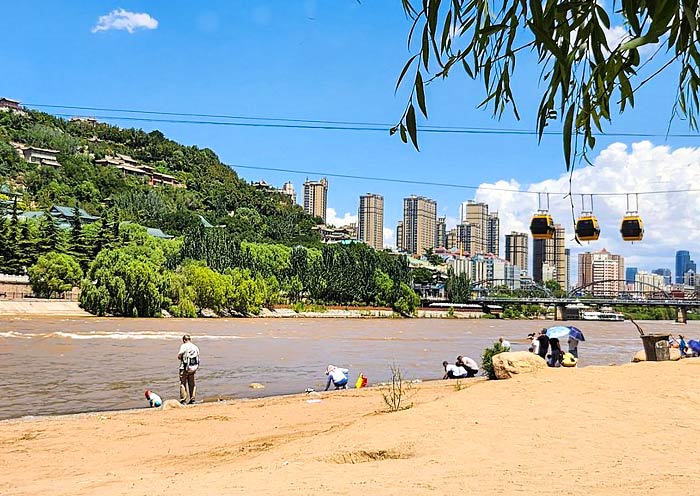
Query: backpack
point(191, 361)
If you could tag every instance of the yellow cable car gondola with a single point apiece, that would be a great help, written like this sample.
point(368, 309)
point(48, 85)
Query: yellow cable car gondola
point(542, 226)
point(631, 227)
point(587, 228)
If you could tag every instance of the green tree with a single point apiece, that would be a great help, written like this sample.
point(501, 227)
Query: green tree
point(555, 288)
point(583, 76)
point(459, 287)
point(54, 273)
point(384, 288)
point(124, 282)
point(407, 301)
point(209, 288)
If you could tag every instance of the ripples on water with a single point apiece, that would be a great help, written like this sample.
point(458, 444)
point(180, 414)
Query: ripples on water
point(54, 366)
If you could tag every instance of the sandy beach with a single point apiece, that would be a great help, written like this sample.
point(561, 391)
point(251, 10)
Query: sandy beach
point(598, 430)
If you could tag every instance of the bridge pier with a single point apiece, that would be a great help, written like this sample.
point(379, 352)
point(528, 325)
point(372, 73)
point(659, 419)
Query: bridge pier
point(560, 312)
point(682, 315)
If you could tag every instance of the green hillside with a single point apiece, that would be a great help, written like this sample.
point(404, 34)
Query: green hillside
point(212, 189)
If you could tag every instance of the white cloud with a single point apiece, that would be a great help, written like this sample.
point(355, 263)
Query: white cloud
point(389, 238)
point(332, 218)
point(617, 35)
point(670, 219)
point(121, 19)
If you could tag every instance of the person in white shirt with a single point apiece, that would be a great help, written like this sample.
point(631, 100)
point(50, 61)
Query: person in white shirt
point(153, 399)
point(468, 364)
point(534, 343)
point(189, 363)
point(454, 372)
point(504, 342)
point(338, 376)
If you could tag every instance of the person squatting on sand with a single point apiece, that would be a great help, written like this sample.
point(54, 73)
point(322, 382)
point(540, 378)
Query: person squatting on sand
point(555, 355)
point(189, 363)
point(154, 401)
point(338, 376)
point(468, 364)
point(454, 371)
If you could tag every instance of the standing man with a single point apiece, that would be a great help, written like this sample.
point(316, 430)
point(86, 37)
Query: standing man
point(544, 344)
point(189, 363)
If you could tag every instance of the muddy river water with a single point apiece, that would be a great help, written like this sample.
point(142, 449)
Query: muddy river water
point(67, 365)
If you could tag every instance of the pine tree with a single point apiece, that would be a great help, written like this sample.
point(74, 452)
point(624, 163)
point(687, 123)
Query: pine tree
point(78, 245)
point(50, 238)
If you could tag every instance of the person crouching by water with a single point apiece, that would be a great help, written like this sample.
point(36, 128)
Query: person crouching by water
point(189, 363)
point(555, 353)
point(454, 372)
point(468, 364)
point(154, 401)
point(338, 376)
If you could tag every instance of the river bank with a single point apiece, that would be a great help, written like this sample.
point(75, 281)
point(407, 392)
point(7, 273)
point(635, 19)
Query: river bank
point(610, 430)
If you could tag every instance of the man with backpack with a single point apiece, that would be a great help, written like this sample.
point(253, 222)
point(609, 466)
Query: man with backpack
point(189, 363)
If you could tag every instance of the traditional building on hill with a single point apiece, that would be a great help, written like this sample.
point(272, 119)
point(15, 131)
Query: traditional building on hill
point(131, 167)
point(8, 105)
point(34, 155)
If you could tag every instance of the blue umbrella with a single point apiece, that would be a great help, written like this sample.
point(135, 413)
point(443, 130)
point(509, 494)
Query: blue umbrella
point(558, 332)
point(694, 345)
point(576, 333)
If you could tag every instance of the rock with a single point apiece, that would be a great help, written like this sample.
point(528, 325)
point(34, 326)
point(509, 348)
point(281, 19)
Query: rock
point(509, 363)
point(256, 385)
point(170, 404)
point(208, 313)
point(640, 356)
point(165, 314)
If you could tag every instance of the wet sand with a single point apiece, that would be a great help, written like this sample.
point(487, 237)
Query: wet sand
point(612, 430)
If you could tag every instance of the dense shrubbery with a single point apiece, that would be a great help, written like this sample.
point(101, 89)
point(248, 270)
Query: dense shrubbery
point(487, 358)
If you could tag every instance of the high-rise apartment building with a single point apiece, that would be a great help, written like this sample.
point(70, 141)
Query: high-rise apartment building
point(441, 233)
point(399, 236)
point(553, 253)
point(288, 189)
point(666, 273)
point(493, 233)
point(477, 214)
point(516, 249)
point(451, 239)
point(468, 237)
point(370, 220)
point(316, 198)
point(630, 274)
point(419, 224)
point(604, 270)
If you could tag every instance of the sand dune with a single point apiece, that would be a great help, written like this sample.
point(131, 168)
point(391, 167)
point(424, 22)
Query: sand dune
point(596, 430)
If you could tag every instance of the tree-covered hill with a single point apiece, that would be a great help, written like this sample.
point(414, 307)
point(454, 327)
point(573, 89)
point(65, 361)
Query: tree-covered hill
point(212, 190)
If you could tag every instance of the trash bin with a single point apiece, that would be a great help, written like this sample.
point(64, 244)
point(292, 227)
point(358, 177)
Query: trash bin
point(656, 347)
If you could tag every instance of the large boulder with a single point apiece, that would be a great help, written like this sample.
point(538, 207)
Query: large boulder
point(641, 356)
point(510, 363)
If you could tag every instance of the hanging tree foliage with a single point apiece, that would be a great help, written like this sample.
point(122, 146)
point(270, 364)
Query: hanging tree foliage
point(584, 77)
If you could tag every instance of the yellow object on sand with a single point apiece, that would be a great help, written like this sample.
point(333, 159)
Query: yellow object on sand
point(361, 381)
point(568, 360)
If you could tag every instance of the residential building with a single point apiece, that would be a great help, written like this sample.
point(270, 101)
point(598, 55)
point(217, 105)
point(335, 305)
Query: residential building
point(552, 252)
point(517, 249)
point(493, 233)
point(316, 198)
point(90, 121)
point(419, 224)
point(451, 239)
point(288, 189)
point(690, 278)
point(330, 234)
point(647, 284)
point(666, 273)
point(370, 220)
point(34, 155)
point(683, 264)
point(399, 236)
point(468, 238)
point(604, 270)
point(441, 233)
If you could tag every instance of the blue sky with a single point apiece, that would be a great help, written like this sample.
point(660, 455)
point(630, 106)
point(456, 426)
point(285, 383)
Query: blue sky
point(339, 60)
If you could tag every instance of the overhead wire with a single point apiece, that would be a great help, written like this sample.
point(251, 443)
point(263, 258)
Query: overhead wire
point(273, 122)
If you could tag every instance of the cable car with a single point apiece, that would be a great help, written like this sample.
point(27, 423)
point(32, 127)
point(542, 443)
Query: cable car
point(632, 228)
point(542, 226)
point(587, 228)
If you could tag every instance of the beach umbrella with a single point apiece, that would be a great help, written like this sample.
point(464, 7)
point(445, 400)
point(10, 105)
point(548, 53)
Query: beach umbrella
point(694, 345)
point(576, 333)
point(558, 332)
